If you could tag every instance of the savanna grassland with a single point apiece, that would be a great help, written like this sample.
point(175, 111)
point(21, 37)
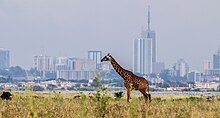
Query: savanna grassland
point(101, 104)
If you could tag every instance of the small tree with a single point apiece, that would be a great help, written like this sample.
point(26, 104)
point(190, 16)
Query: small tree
point(17, 71)
point(96, 81)
point(38, 88)
point(218, 88)
point(51, 87)
point(78, 85)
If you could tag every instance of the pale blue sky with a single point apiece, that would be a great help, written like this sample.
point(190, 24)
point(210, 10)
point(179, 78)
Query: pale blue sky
point(188, 29)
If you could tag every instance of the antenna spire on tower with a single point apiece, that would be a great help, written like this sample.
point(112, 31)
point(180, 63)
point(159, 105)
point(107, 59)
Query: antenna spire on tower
point(148, 17)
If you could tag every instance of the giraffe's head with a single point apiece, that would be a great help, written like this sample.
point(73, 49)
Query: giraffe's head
point(107, 58)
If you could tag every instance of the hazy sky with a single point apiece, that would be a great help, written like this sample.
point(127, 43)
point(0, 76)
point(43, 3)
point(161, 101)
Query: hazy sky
point(188, 29)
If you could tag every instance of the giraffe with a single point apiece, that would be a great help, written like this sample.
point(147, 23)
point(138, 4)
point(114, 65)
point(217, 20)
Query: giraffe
point(131, 81)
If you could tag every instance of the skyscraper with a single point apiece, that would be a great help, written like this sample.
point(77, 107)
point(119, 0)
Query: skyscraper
point(4, 59)
point(144, 50)
point(216, 60)
point(216, 65)
point(151, 36)
point(96, 56)
point(139, 56)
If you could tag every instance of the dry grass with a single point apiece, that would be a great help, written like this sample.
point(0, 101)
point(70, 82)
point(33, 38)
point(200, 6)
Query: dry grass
point(51, 105)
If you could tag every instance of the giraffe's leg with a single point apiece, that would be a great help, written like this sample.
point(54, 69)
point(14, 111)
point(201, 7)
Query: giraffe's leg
point(128, 94)
point(149, 95)
point(145, 94)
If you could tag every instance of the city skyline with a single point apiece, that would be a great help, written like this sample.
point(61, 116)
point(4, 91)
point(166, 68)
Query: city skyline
point(185, 29)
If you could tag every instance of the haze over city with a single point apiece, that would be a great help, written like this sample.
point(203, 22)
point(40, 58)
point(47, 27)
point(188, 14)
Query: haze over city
point(184, 29)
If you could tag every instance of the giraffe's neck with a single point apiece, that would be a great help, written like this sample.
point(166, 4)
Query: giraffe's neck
point(121, 71)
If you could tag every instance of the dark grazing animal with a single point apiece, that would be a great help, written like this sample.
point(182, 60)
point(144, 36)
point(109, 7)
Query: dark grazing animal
point(6, 96)
point(118, 94)
point(77, 97)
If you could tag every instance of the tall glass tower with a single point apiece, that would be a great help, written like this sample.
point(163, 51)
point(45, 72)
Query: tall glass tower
point(216, 60)
point(144, 50)
point(4, 59)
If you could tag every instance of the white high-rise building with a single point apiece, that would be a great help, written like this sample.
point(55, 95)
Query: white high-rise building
point(44, 63)
point(139, 56)
point(149, 55)
point(144, 51)
point(4, 59)
point(181, 68)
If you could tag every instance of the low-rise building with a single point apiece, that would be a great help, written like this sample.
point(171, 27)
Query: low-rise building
point(207, 85)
